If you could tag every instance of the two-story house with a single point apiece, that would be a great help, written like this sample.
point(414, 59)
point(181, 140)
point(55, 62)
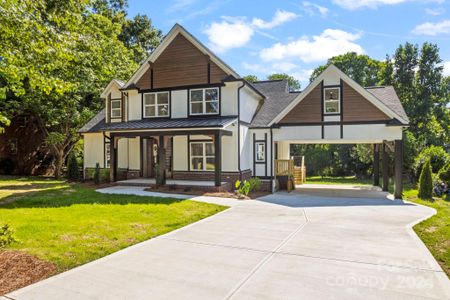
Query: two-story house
point(189, 115)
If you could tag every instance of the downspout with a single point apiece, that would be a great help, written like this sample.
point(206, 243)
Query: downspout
point(239, 128)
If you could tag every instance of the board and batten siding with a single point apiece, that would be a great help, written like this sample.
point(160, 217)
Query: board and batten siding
point(308, 110)
point(180, 64)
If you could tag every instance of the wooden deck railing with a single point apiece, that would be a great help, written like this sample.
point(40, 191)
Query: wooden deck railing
point(292, 168)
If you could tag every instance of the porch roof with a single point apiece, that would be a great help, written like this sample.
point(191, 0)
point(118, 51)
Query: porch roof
point(160, 123)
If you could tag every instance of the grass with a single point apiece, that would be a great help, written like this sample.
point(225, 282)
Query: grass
point(71, 224)
point(435, 231)
point(351, 180)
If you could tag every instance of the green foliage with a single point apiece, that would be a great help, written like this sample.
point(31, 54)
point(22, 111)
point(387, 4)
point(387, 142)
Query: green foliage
point(247, 186)
point(72, 167)
point(251, 78)
point(294, 84)
point(255, 184)
point(444, 173)
point(97, 173)
point(435, 155)
point(6, 236)
point(426, 182)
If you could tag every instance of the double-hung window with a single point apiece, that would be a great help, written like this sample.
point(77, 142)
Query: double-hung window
point(260, 152)
point(202, 156)
point(332, 101)
point(107, 154)
point(116, 108)
point(204, 101)
point(156, 105)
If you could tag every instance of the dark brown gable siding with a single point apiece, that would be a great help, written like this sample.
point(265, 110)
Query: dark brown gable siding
point(217, 74)
point(145, 81)
point(357, 108)
point(308, 110)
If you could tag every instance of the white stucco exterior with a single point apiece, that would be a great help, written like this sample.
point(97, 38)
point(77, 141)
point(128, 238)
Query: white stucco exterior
point(179, 99)
point(93, 150)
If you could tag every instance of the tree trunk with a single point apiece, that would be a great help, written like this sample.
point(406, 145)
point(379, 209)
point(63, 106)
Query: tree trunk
point(59, 162)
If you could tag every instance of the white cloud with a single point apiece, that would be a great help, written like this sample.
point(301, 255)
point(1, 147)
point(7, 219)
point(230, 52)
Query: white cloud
point(312, 9)
point(432, 29)
point(280, 17)
point(355, 4)
point(235, 32)
point(447, 68)
point(228, 34)
point(180, 5)
point(434, 11)
point(330, 42)
point(284, 67)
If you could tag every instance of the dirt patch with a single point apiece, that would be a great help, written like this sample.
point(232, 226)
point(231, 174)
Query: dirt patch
point(19, 269)
point(197, 192)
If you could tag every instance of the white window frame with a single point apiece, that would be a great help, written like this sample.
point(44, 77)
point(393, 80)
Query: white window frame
point(107, 154)
point(203, 156)
point(204, 101)
point(156, 105)
point(257, 144)
point(334, 100)
point(114, 109)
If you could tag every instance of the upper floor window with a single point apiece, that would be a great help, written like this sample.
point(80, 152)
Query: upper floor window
point(332, 101)
point(116, 108)
point(156, 105)
point(204, 101)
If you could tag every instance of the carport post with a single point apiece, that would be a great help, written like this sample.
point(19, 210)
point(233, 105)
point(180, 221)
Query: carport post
point(385, 167)
point(398, 169)
point(376, 165)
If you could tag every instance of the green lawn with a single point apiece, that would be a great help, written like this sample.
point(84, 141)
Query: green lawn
point(352, 180)
point(435, 231)
point(70, 224)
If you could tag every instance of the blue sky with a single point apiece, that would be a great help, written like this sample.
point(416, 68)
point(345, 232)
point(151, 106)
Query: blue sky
point(294, 37)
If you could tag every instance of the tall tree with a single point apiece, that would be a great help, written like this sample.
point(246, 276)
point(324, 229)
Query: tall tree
point(361, 68)
point(294, 84)
point(251, 78)
point(386, 72)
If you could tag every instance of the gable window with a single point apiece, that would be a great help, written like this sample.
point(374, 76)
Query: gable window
point(156, 105)
point(116, 108)
point(204, 101)
point(332, 101)
point(202, 156)
point(260, 152)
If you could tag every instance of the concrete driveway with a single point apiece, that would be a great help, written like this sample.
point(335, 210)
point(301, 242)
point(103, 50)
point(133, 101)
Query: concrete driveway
point(284, 246)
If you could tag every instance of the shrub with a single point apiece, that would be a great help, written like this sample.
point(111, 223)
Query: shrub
point(247, 186)
point(255, 183)
point(437, 157)
point(426, 182)
point(6, 236)
point(72, 167)
point(444, 174)
point(97, 173)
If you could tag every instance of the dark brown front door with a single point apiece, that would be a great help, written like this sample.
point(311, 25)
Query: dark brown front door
point(150, 157)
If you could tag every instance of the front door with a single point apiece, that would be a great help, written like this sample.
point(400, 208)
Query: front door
point(150, 156)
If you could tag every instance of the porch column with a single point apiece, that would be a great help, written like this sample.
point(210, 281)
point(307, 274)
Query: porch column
point(385, 168)
point(162, 161)
point(376, 165)
point(113, 158)
point(398, 169)
point(218, 158)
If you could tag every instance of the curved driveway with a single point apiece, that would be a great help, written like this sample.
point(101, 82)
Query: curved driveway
point(283, 246)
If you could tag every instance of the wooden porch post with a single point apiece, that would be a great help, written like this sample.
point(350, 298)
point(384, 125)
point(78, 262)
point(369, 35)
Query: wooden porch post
point(398, 169)
point(376, 165)
point(113, 158)
point(218, 158)
point(162, 160)
point(385, 168)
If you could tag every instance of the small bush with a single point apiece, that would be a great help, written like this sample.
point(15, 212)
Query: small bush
point(247, 186)
point(444, 174)
point(6, 236)
point(437, 157)
point(255, 184)
point(97, 173)
point(426, 182)
point(72, 168)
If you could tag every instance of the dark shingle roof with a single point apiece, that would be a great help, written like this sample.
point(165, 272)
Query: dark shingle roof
point(388, 96)
point(277, 98)
point(94, 123)
point(216, 122)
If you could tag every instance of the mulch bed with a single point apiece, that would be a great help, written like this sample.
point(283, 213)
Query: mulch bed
point(19, 269)
point(197, 192)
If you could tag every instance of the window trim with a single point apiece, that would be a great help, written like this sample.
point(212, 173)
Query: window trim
point(144, 116)
point(203, 156)
point(204, 113)
point(263, 160)
point(107, 162)
point(119, 108)
point(334, 100)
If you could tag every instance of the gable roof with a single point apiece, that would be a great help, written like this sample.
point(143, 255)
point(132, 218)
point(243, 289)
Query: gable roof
point(116, 82)
point(178, 29)
point(385, 106)
point(277, 98)
point(388, 96)
point(95, 123)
